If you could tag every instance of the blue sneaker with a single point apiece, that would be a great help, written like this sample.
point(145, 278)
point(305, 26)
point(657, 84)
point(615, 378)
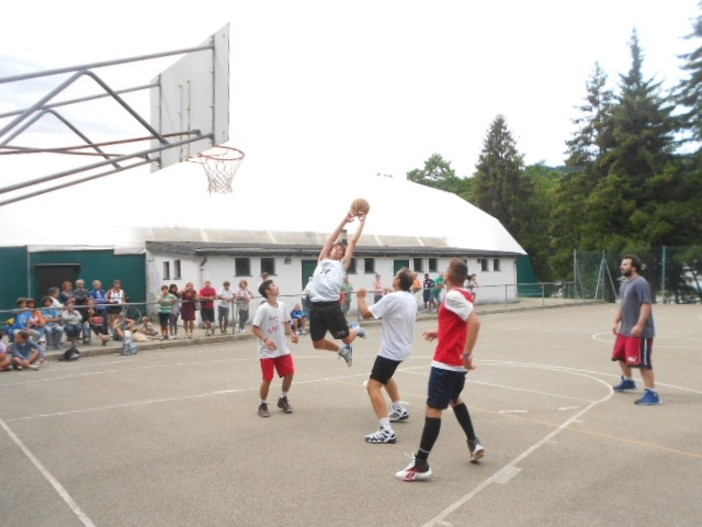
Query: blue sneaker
point(626, 384)
point(650, 397)
point(346, 353)
point(361, 331)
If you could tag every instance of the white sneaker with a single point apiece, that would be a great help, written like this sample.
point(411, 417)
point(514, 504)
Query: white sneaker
point(477, 452)
point(398, 415)
point(415, 471)
point(382, 436)
point(346, 353)
point(360, 331)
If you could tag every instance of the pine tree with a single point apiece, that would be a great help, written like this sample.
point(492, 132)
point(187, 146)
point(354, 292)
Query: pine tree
point(689, 94)
point(499, 188)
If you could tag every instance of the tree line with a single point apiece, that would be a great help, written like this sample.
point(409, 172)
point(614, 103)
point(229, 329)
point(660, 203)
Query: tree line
point(631, 177)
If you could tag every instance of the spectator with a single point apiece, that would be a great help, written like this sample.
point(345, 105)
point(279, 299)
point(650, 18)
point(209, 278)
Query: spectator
point(5, 356)
point(242, 299)
point(147, 328)
point(66, 292)
point(115, 298)
point(72, 321)
point(37, 321)
point(188, 297)
point(173, 320)
point(471, 284)
point(22, 315)
point(207, 296)
point(436, 291)
point(54, 295)
point(81, 295)
point(346, 291)
point(417, 288)
point(427, 286)
point(378, 289)
point(99, 296)
point(298, 320)
point(25, 352)
point(226, 297)
point(97, 321)
point(165, 309)
point(53, 330)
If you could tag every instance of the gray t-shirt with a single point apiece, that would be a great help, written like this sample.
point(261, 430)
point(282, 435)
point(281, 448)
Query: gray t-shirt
point(634, 293)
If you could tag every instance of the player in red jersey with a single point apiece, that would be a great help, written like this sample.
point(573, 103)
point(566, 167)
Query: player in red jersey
point(457, 334)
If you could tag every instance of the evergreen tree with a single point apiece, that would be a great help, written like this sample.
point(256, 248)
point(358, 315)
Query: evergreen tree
point(499, 188)
point(642, 152)
point(689, 93)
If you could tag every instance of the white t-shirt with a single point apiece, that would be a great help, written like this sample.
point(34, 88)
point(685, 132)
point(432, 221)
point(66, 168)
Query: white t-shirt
point(225, 297)
point(271, 320)
point(398, 311)
point(326, 281)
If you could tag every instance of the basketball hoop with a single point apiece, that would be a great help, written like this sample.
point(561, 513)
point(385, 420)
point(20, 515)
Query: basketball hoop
point(220, 164)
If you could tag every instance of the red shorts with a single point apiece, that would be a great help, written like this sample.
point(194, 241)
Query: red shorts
point(283, 365)
point(634, 351)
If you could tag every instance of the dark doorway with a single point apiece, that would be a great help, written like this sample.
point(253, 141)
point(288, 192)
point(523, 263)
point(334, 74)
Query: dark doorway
point(50, 275)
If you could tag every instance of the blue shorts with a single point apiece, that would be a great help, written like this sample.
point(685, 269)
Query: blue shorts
point(445, 387)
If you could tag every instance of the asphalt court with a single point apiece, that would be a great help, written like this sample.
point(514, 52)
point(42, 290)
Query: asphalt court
point(170, 437)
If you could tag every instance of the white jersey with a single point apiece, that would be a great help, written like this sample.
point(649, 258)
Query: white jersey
point(398, 311)
point(327, 280)
point(271, 320)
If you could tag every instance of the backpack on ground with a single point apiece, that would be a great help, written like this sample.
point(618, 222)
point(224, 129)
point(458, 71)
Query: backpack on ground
point(71, 353)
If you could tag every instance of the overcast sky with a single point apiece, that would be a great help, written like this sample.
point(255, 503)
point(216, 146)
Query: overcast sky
point(340, 89)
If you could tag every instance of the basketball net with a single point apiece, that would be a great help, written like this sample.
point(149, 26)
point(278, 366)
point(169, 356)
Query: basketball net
point(220, 164)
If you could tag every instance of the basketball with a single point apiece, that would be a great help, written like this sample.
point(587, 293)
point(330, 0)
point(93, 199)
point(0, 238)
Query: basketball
point(360, 205)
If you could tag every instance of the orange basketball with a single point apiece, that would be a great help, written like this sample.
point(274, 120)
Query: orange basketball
point(360, 205)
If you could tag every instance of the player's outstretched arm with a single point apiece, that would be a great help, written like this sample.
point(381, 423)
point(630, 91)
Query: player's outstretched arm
point(324, 253)
point(354, 240)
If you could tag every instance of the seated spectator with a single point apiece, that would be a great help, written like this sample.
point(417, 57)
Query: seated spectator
point(97, 322)
point(54, 295)
point(53, 330)
point(25, 352)
point(5, 356)
point(66, 292)
point(22, 315)
point(147, 327)
point(37, 321)
point(72, 321)
point(99, 296)
point(299, 320)
point(120, 324)
point(81, 295)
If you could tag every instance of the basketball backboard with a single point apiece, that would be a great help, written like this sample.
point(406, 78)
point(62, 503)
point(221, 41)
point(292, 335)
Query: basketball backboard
point(191, 99)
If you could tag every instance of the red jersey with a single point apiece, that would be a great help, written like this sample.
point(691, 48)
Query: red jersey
point(453, 327)
point(208, 291)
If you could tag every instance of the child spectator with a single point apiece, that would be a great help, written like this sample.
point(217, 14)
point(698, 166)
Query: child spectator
point(72, 321)
point(53, 330)
point(165, 308)
point(173, 320)
point(25, 353)
point(270, 324)
point(299, 319)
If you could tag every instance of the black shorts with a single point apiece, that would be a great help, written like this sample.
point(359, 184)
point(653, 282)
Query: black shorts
point(207, 314)
point(327, 316)
point(383, 369)
point(445, 387)
point(164, 319)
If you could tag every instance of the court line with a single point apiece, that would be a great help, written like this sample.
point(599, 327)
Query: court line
point(509, 470)
point(60, 490)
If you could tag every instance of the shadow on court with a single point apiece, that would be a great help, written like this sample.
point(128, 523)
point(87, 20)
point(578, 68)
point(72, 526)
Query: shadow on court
point(171, 436)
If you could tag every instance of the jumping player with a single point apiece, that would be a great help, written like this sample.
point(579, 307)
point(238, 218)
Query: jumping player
point(324, 290)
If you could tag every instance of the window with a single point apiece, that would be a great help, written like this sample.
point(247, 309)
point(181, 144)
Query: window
point(496, 264)
point(242, 266)
point(176, 270)
point(166, 270)
point(483, 262)
point(432, 265)
point(352, 267)
point(268, 266)
point(369, 265)
point(417, 264)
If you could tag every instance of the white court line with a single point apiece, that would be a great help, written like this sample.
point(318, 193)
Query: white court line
point(508, 471)
point(65, 496)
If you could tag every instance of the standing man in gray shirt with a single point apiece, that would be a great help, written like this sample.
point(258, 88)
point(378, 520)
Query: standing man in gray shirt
point(633, 326)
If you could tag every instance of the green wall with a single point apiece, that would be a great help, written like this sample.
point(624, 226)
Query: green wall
point(20, 276)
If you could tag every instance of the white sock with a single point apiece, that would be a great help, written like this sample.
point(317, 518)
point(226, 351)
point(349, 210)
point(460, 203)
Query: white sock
point(397, 406)
point(385, 423)
point(283, 394)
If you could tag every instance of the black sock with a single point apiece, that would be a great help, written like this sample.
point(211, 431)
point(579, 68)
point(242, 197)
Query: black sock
point(461, 413)
point(432, 426)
